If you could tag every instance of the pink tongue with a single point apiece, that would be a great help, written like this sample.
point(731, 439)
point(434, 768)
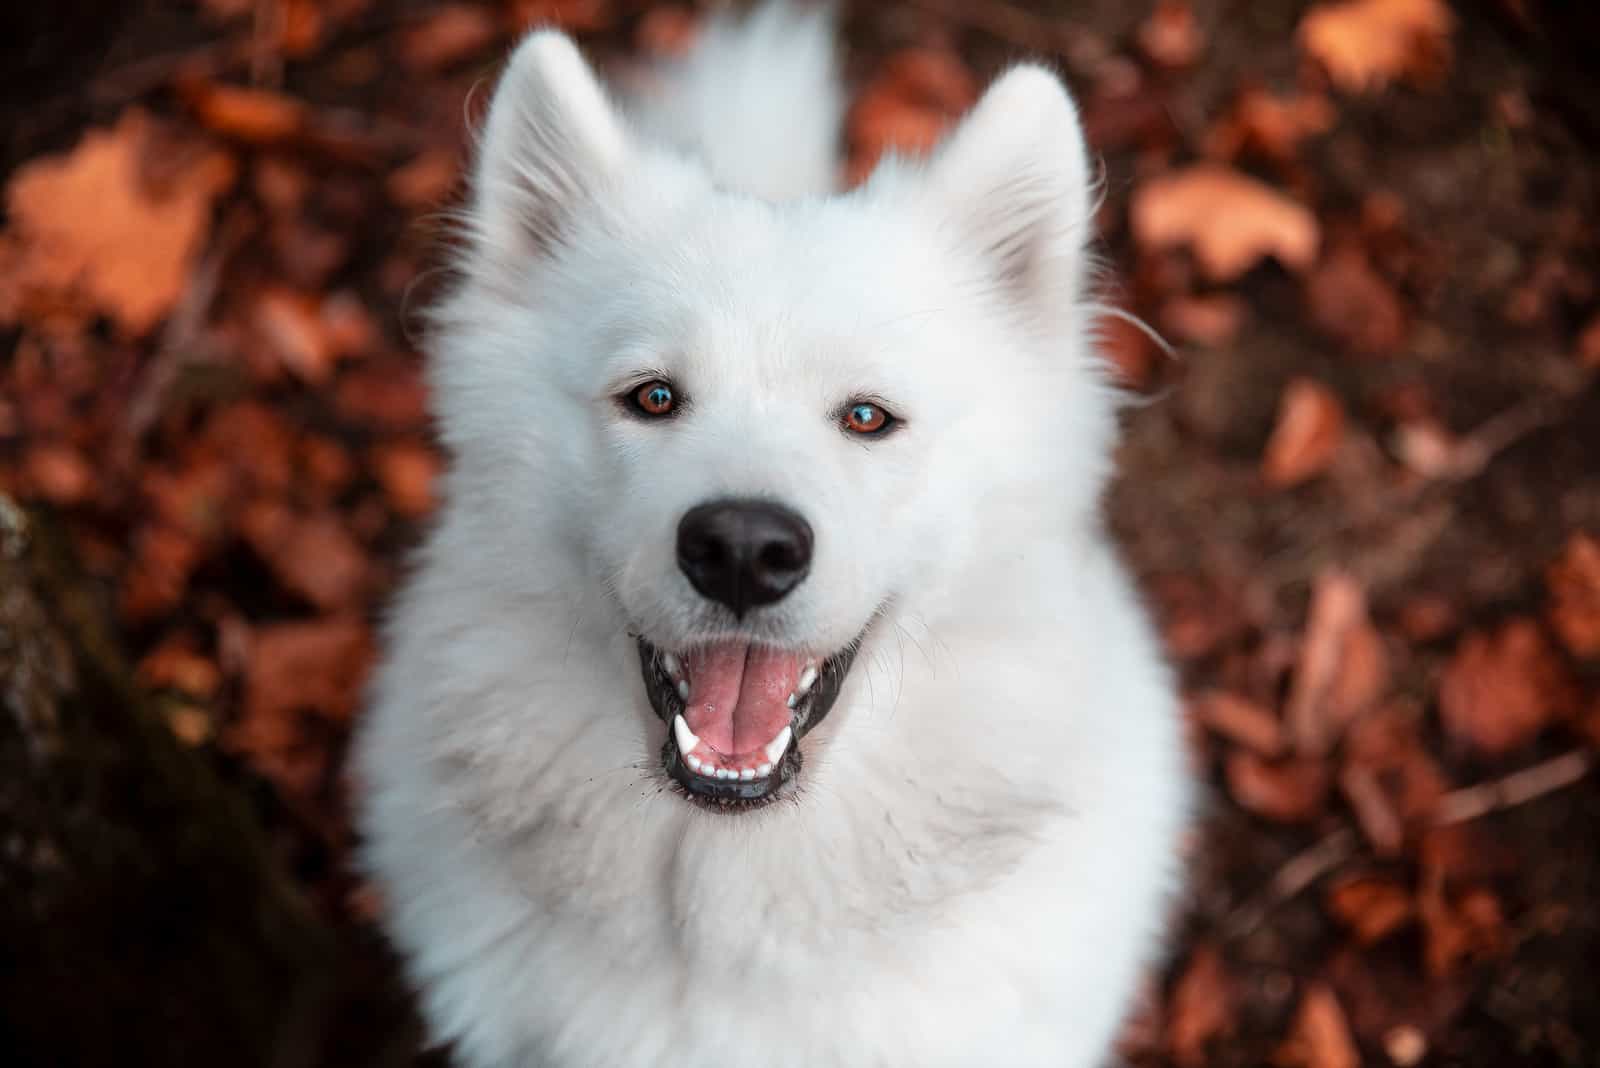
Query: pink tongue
point(738, 695)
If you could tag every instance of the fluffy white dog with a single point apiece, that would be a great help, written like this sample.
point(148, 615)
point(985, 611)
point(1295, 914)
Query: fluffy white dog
point(769, 691)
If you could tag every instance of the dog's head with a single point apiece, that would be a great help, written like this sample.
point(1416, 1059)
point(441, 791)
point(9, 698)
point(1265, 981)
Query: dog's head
point(761, 429)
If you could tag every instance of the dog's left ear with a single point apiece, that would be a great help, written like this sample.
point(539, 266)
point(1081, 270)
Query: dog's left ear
point(1014, 179)
point(552, 140)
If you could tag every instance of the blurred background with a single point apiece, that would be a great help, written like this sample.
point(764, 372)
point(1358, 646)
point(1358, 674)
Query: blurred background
point(1362, 491)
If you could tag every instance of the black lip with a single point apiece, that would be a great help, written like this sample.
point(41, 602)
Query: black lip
point(809, 712)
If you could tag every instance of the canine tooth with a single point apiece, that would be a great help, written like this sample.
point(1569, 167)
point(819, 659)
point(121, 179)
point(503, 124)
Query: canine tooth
point(764, 770)
point(794, 699)
point(683, 689)
point(806, 680)
point(686, 739)
point(747, 774)
point(775, 748)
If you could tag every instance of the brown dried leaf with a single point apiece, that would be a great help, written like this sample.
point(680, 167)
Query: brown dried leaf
point(1289, 791)
point(58, 473)
point(1502, 689)
point(1366, 44)
point(174, 665)
point(908, 106)
point(255, 116)
point(1387, 747)
point(1354, 305)
point(1202, 1007)
point(95, 225)
point(313, 556)
point(1320, 1037)
point(1171, 36)
point(449, 36)
point(1269, 126)
point(1213, 321)
point(1372, 907)
point(1309, 428)
point(1230, 220)
point(427, 180)
point(407, 471)
point(1589, 344)
point(1241, 721)
point(1574, 584)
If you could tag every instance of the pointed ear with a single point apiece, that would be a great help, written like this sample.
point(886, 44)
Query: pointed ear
point(1014, 180)
point(551, 140)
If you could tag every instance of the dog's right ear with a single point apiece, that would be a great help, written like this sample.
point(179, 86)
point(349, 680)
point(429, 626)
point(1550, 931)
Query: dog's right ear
point(551, 141)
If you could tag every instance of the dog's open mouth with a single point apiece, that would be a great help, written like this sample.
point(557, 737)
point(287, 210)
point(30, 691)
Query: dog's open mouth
point(737, 712)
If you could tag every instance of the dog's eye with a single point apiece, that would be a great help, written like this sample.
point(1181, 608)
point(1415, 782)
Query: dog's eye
point(654, 399)
point(867, 419)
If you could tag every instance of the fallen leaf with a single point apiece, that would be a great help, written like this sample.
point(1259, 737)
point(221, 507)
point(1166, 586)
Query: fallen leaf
point(407, 471)
point(425, 181)
point(1342, 669)
point(1171, 35)
point(175, 665)
point(256, 116)
point(1366, 44)
point(58, 473)
point(1589, 344)
point(94, 225)
point(313, 556)
point(916, 96)
point(1290, 791)
point(1231, 221)
point(1354, 305)
point(667, 31)
point(1471, 925)
point(1320, 1036)
point(1272, 127)
point(319, 666)
point(1213, 321)
point(1387, 746)
point(1202, 1007)
point(449, 36)
point(1574, 584)
point(291, 325)
point(1372, 907)
point(1502, 689)
point(1309, 428)
point(1241, 721)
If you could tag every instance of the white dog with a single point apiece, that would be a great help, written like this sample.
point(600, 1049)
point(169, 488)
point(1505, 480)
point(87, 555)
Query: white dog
point(769, 691)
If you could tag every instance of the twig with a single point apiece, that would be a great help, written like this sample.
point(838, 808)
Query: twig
point(1298, 873)
point(1515, 789)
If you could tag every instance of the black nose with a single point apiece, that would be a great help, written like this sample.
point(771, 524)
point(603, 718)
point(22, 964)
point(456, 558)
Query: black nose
point(743, 554)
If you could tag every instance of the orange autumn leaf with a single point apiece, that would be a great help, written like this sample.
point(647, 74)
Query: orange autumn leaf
point(94, 226)
point(1309, 428)
point(1503, 689)
point(1202, 1007)
point(1230, 220)
point(1574, 584)
point(1321, 1036)
point(1366, 44)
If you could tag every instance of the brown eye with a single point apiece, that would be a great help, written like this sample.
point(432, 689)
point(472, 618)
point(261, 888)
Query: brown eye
point(867, 419)
point(653, 398)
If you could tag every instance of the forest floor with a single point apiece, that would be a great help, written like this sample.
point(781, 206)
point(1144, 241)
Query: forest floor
point(1362, 491)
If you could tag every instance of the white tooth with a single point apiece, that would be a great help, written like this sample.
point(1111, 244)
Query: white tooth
point(670, 662)
point(683, 689)
point(776, 747)
point(694, 761)
point(747, 774)
point(686, 739)
point(793, 700)
point(764, 770)
point(806, 680)
point(727, 773)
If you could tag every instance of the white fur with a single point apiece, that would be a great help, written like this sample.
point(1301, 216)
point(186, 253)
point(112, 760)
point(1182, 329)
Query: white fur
point(973, 863)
